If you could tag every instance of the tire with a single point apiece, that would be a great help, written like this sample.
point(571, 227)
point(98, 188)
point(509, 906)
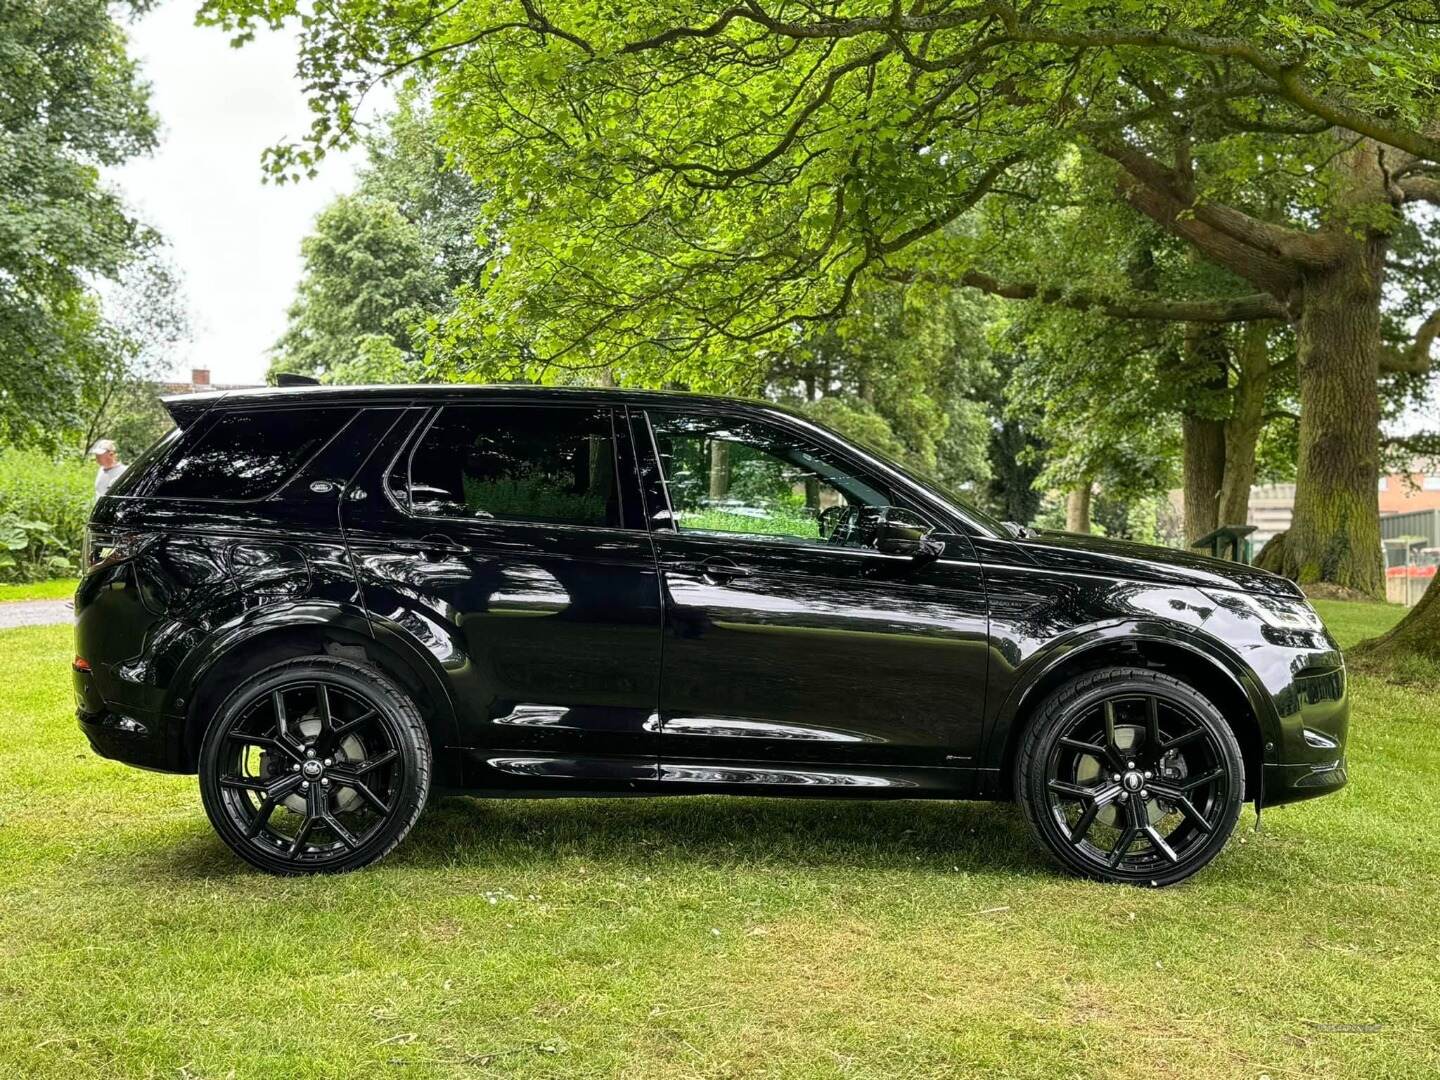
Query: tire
point(315, 765)
point(1132, 776)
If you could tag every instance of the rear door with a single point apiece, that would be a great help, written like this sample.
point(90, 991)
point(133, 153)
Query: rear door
point(509, 540)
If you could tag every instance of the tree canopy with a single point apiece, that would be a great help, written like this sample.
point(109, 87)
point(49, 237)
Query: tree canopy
point(71, 103)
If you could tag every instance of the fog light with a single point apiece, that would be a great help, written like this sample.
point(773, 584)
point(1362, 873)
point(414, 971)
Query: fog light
point(134, 727)
point(1318, 741)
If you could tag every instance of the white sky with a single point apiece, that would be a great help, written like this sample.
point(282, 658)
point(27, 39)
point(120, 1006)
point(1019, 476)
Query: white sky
point(234, 238)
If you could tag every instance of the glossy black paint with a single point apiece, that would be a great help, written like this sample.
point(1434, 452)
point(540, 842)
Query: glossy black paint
point(631, 658)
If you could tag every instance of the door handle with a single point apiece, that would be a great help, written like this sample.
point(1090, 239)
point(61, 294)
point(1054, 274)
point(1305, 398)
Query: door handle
point(431, 546)
point(718, 570)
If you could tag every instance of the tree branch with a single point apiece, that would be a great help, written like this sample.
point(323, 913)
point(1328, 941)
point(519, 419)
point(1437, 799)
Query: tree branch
point(1415, 359)
point(1220, 310)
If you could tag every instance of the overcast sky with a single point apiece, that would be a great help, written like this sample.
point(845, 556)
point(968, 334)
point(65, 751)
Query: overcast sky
point(234, 238)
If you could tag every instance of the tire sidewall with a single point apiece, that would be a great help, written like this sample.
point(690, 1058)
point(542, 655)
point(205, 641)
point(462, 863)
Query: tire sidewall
point(1084, 693)
point(399, 714)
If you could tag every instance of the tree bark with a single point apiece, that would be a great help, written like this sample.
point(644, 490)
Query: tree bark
point(719, 469)
point(1416, 634)
point(1334, 535)
point(1203, 472)
point(1202, 461)
point(1242, 430)
point(1077, 508)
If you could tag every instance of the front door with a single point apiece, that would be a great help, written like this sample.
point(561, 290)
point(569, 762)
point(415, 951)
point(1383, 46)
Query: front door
point(510, 541)
point(796, 653)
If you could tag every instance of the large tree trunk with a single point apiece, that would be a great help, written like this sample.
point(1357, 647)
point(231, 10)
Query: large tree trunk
point(1416, 634)
point(1202, 429)
point(1077, 508)
point(1334, 536)
point(1242, 430)
point(1202, 468)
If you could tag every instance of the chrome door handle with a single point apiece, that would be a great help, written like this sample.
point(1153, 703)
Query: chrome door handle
point(430, 546)
point(718, 569)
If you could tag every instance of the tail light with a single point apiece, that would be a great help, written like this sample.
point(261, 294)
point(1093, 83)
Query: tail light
point(106, 547)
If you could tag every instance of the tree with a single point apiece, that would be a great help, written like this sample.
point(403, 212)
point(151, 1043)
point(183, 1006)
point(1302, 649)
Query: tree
point(369, 276)
point(684, 177)
point(72, 102)
point(144, 320)
point(382, 265)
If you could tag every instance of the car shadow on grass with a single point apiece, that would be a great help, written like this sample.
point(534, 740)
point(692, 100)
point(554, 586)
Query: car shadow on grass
point(731, 833)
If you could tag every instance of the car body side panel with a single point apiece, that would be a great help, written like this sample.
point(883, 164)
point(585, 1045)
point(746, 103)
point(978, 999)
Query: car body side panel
point(548, 636)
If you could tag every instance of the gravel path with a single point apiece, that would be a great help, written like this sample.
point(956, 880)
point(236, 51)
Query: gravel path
point(35, 612)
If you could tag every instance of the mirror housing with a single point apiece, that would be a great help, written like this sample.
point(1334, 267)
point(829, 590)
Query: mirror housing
point(900, 532)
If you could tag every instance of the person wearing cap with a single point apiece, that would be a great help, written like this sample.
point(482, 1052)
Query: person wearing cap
point(111, 467)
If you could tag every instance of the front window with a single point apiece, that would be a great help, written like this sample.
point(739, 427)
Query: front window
point(544, 464)
point(734, 476)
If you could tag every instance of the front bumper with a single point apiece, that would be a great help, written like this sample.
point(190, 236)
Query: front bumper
point(1309, 758)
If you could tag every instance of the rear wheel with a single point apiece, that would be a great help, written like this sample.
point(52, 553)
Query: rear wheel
point(1132, 776)
point(315, 765)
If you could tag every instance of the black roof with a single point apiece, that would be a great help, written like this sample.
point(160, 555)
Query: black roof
point(185, 408)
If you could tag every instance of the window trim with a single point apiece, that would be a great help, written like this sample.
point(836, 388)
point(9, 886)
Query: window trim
point(422, 430)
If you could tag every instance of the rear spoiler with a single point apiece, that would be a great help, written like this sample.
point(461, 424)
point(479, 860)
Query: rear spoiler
point(185, 409)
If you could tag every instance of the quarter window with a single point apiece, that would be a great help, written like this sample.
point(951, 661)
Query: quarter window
point(248, 455)
point(518, 463)
point(731, 475)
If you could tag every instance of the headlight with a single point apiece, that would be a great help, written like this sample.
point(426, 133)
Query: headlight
point(1279, 612)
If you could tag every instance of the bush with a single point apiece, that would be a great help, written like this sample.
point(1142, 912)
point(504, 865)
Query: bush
point(44, 505)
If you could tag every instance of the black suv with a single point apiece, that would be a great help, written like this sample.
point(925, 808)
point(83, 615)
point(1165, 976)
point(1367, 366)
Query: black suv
point(330, 602)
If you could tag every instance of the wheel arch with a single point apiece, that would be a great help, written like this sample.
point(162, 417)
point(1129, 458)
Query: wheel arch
point(282, 632)
point(1224, 681)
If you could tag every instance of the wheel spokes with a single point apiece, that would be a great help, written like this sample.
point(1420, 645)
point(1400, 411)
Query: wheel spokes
point(1152, 723)
point(344, 778)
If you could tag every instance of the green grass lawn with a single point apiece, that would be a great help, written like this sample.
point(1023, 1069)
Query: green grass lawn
point(58, 589)
point(706, 936)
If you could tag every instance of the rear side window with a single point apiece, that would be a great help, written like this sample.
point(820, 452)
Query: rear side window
point(518, 463)
point(248, 455)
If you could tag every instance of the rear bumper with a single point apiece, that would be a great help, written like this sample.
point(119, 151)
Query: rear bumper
point(144, 741)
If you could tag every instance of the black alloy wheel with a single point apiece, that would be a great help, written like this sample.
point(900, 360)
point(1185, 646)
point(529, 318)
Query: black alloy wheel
point(1132, 776)
point(315, 765)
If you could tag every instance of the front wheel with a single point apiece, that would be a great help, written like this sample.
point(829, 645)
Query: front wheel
point(1131, 776)
point(315, 765)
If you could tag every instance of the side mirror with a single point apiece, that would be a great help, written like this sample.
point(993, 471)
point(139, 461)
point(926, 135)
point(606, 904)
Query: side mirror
point(900, 532)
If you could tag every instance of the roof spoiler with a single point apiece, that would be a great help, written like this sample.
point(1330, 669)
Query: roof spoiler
point(185, 409)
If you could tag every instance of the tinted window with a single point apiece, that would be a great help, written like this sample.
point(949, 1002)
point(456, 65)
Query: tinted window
point(730, 475)
point(248, 455)
point(518, 463)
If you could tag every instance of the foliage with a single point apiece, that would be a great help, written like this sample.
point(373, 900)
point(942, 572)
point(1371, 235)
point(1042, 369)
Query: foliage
point(46, 503)
point(145, 320)
point(382, 265)
point(368, 276)
point(901, 373)
point(72, 103)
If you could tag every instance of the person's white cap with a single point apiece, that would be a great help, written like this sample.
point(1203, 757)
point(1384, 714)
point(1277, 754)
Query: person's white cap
point(102, 446)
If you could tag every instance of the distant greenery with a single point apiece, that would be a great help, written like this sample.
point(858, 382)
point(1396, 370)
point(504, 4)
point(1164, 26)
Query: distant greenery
point(773, 521)
point(44, 505)
point(54, 589)
point(536, 498)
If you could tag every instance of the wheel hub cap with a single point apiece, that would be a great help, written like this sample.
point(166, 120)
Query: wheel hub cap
point(1133, 780)
point(312, 770)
